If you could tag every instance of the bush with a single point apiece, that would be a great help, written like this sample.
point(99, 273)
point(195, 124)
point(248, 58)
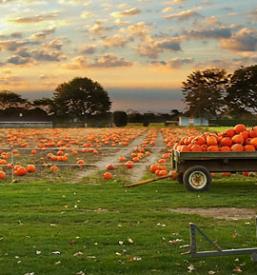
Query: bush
point(120, 118)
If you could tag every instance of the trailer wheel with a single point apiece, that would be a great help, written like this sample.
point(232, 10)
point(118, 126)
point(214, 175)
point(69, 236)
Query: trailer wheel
point(197, 178)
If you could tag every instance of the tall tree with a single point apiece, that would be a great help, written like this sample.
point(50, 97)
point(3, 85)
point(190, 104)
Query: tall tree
point(11, 100)
point(204, 92)
point(242, 92)
point(81, 98)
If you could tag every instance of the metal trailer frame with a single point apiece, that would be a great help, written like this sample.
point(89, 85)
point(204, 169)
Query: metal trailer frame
point(216, 161)
point(194, 229)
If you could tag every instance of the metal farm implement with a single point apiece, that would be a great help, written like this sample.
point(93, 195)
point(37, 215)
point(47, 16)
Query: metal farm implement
point(194, 229)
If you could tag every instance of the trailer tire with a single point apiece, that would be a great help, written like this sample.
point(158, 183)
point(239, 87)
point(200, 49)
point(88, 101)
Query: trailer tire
point(197, 179)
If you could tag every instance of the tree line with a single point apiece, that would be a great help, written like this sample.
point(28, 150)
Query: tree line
point(209, 93)
point(213, 93)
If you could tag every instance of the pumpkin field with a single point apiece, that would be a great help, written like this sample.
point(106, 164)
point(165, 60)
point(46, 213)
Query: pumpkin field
point(65, 208)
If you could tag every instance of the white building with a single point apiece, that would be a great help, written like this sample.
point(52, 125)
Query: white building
point(193, 121)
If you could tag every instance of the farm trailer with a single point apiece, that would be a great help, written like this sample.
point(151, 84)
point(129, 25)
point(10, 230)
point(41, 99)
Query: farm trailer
point(194, 168)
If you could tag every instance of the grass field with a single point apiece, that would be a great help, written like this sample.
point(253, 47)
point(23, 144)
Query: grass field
point(102, 228)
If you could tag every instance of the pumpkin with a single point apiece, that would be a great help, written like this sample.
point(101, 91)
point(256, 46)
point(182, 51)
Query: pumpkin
point(31, 168)
point(110, 167)
point(2, 175)
point(211, 140)
point(20, 171)
point(240, 128)
point(54, 169)
point(238, 139)
point(237, 148)
point(107, 176)
point(129, 164)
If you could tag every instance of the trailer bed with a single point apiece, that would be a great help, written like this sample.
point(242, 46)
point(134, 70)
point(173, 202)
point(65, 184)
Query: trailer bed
point(204, 163)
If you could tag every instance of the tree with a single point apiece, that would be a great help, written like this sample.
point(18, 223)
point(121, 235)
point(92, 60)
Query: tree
point(46, 104)
point(204, 92)
point(120, 118)
point(242, 91)
point(11, 100)
point(81, 98)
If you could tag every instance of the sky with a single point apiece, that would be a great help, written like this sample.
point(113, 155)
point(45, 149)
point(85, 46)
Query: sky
point(140, 51)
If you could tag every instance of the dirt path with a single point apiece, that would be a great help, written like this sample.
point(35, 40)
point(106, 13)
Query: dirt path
point(219, 213)
point(139, 170)
point(112, 159)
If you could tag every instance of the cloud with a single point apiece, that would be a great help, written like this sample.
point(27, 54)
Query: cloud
point(75, 2)
point(12, 45)
point(184, 15)
point(170, 43)
point(87, 14)
point(6, 1)
point(167, 9)
point(140, 29)
point(43, 34)
point(56, 44)
point(152, 47)
point(34, 18)
point(77, 63)
point(98, 28)
point(179, 62)
point(105, 61)
point(15, 35)
point(174, 63)
point(110, 61)
point(210, 33)
point(245, 40)
point(116, 40)
point(125, 13)
point(19, 60)
point(89, 49)
point(47, 55)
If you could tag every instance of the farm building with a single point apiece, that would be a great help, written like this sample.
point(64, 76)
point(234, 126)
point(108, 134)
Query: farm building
point(189, 121)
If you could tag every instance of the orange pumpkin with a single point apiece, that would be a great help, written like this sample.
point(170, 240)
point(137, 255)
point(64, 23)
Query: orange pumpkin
point(249, 148)
point(211, 140)
point(239, 128)
point(107, 176)
point(237, 148)
point(254, 142)
point(31, 168)
point(238, 139)
point(2, 175)
point(54, 169)
point(229, 133)
point(129, 164)
point(226, 141)
point(20, 171)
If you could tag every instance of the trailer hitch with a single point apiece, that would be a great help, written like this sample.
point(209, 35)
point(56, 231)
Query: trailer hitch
point(194, 229)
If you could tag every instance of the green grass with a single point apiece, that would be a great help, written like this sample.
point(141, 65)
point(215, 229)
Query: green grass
point(92, 219)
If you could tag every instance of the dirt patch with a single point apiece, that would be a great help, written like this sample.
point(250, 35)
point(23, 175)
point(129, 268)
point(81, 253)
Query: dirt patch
point(102, 210)
point(139, 170)
point(101, 164)
point(219, 213)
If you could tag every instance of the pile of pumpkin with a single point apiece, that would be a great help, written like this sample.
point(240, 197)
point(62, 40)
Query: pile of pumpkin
point(237, 139)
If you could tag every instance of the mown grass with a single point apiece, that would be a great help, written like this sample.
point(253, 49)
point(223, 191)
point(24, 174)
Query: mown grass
point(119, 231)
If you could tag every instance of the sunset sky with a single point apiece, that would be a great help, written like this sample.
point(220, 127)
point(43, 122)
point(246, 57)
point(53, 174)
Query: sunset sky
point(139, 50)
